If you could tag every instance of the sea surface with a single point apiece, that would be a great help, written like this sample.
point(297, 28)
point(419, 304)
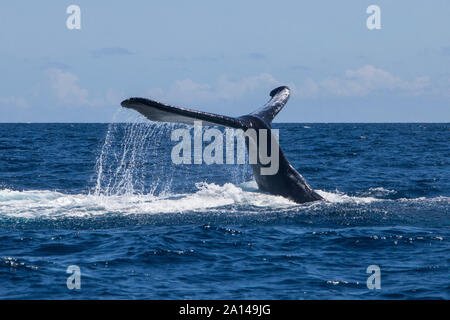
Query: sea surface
point(108, 199)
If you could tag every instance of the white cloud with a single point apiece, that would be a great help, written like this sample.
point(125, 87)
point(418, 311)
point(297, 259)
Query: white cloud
point(227, 88)
point(188, 89)
point(14, 102)
point(361, 82)
point(309, 88)
point(64, 86)
point(224, 88)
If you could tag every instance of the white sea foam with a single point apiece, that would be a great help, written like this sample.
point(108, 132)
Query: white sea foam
point(378, 192)
point(208, 198)
point(339, 197)
point(44, 203)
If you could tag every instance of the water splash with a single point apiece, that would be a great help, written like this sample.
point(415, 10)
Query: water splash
point(134, 160)
point(129, 156)
point(240, 173)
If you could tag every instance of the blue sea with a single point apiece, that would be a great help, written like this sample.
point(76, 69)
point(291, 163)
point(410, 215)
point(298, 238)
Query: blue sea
point(108, 199)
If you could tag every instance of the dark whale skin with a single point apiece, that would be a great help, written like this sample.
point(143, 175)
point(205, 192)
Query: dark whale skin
point(286, 182)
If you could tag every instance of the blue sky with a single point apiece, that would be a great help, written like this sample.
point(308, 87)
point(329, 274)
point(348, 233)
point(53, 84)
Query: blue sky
point(225, 57)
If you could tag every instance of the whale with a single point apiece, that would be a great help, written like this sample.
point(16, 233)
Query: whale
point(286, 182)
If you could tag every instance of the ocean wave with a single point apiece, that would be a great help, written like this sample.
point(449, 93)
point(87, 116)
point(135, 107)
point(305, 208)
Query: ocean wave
point(340, 197)
point(44, 203)
point(209, 197)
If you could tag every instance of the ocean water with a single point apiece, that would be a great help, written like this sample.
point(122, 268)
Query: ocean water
point(107, 198)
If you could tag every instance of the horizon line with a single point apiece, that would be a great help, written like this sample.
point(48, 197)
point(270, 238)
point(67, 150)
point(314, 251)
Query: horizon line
point(314, 122)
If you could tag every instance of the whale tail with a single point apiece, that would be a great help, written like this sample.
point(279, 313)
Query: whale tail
point(285, 181)
point(156, 111)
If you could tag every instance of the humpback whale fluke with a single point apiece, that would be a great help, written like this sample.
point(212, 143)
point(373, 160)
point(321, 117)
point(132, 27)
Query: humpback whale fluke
point(287, 182)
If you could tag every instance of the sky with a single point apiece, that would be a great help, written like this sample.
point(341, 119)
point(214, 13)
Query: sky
point(225, 57)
